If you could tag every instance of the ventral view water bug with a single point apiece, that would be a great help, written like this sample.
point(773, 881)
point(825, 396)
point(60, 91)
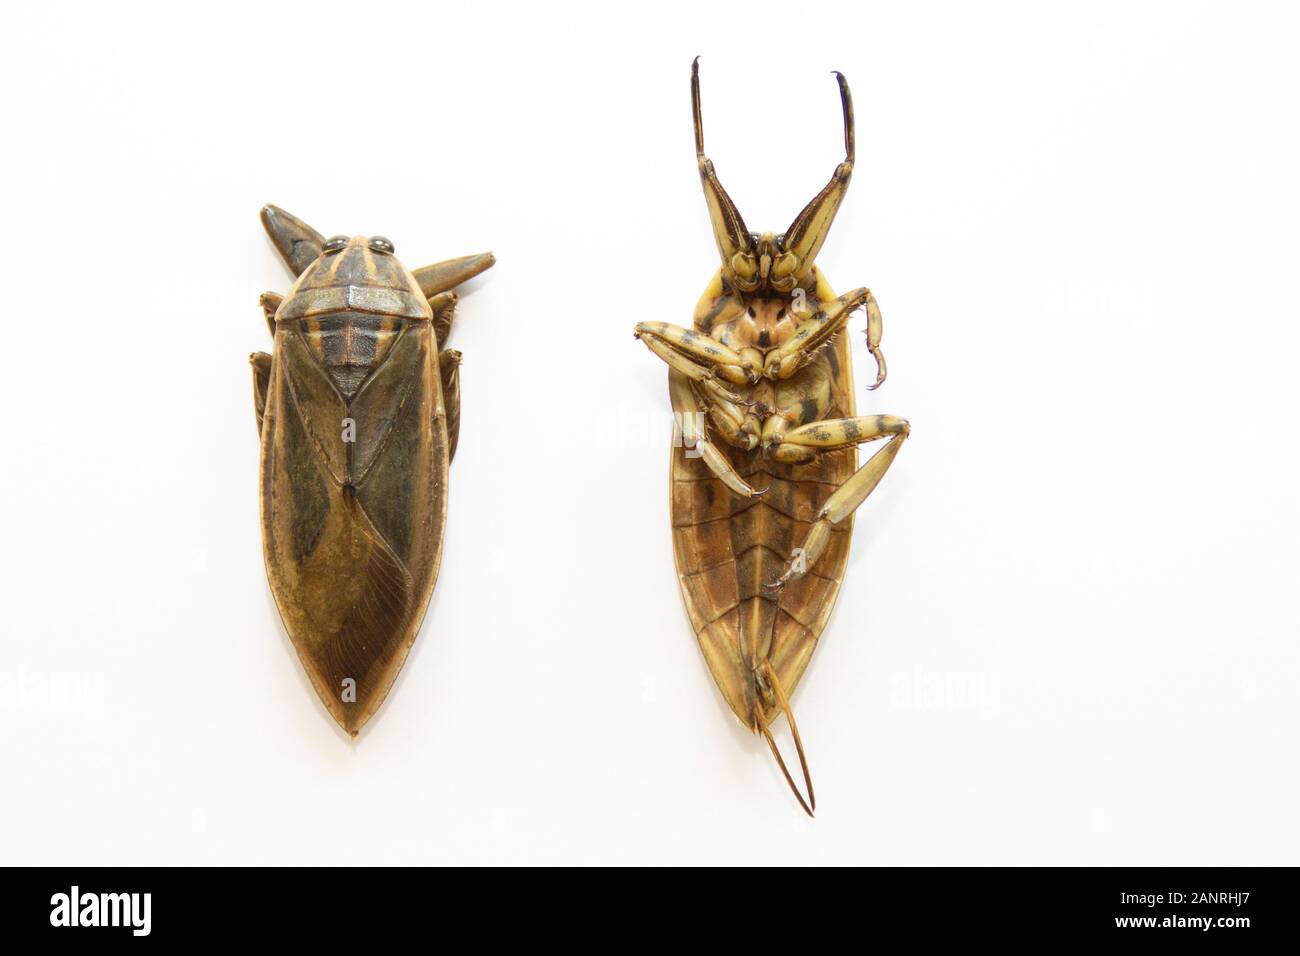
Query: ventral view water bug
point(358, 409)
point(764, 474)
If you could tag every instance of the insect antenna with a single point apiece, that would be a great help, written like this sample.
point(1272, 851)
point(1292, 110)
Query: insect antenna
point(810, 804)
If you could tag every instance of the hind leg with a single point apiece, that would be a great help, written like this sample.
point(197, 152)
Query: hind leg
point(804, 443)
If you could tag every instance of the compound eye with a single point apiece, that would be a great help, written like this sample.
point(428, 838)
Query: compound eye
point(334, 244)
point(381, 245)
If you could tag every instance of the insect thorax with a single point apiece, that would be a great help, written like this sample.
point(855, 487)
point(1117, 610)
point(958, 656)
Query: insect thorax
point(761, 321)
point(350, 345)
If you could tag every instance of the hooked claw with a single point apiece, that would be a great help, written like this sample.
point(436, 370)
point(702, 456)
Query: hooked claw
point(751, 494)
point(780, 582)
point(881, 369)
point(798, 566)
point(875, 326)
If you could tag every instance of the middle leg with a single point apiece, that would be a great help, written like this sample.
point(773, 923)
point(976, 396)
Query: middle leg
point(691, 413)
point(449, 372)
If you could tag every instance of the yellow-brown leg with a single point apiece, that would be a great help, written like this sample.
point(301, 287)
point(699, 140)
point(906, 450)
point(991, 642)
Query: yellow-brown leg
point(814, 332)
point(270, 302)
point(734, 422)
point(690, 416)
point(696, 347)
point(449, 372)
point(444, 310)
point(704, 376)
point(261, 363)
point(804, 442)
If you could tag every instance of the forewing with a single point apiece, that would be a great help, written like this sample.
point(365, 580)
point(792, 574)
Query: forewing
point(354, 528)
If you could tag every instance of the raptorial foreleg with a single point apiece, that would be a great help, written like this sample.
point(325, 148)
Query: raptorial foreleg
point(818, 330)
point(698, 348)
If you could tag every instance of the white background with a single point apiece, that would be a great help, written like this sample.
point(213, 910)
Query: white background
point(1068, 633)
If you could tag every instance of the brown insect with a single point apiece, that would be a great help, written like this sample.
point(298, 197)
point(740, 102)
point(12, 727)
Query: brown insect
point(359, 413)
point(766, 370)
